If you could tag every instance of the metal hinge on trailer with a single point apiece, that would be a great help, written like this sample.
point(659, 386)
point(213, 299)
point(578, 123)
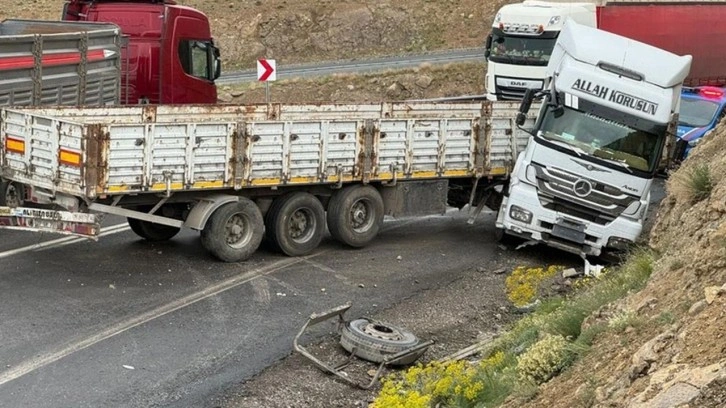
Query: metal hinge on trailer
point(391, 359)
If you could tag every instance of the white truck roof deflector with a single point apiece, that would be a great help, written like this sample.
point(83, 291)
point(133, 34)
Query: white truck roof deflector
point(657, 66)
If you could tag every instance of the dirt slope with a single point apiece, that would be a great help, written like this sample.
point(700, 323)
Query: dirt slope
point(675, 353)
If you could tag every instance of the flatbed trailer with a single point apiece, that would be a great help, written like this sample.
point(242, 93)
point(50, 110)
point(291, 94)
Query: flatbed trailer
point(236, 172)
point(59, 63)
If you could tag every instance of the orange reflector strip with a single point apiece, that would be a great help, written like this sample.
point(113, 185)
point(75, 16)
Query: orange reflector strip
point(15, 145)
point(69, 158)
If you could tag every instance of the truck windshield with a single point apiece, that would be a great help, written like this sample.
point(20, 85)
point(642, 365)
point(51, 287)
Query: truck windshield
point(521, 50)
point(614, 143)
point(696, 112)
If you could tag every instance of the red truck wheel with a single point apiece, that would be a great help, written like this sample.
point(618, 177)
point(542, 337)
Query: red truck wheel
point(234, 231)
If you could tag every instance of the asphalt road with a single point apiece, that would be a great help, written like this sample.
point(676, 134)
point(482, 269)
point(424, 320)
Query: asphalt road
point(125, 323)
point(122, 322)
point(358, 66)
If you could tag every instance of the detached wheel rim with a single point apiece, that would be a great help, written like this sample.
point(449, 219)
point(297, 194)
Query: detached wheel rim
point(361, 216)
point(239, 231)
point(301, 226)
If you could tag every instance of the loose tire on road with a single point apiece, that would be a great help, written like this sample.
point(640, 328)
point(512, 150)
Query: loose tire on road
point(295, 223)
point(234, 231)
point(355, 215)
point(12, 194)
point(152, 232)
point(374, 341)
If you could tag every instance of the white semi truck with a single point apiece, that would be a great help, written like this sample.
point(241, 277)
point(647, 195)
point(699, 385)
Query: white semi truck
point(521, 43)
point(610, 104)
point(524, 34)
point(236, 173)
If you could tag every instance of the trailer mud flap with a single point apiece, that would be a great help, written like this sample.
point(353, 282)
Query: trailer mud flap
point(43, 220)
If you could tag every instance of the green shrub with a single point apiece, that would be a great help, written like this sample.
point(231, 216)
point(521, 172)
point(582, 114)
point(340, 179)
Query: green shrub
point(694, 185)
point(543, 360)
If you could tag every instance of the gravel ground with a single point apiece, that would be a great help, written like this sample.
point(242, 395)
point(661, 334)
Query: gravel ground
point(455, 316)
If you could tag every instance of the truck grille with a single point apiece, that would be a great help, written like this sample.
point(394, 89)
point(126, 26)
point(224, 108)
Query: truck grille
point(510, 93)
point(556, 191)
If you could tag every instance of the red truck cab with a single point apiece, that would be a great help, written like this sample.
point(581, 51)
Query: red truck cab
point(170, 57)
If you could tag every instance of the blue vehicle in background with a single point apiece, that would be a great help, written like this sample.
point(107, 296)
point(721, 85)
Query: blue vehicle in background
point(702, 108)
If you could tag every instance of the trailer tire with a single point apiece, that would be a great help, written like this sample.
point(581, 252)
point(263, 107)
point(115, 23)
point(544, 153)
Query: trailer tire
point(234, 231)
point(12, 194)
point(152, 232)
point(374, 341)
point(295, 223)
point(355, 215)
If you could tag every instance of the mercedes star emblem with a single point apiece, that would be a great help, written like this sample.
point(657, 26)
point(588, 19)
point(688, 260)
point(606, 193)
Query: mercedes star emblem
point(582, 188)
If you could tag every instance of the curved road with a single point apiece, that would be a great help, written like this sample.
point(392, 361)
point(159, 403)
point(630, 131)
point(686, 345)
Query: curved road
point(359, 66)
point(125, 323)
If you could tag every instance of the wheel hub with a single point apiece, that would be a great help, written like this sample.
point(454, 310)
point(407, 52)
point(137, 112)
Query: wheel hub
point(301, 225)
point(238, 232)
point(359, 214)
point(382, 331)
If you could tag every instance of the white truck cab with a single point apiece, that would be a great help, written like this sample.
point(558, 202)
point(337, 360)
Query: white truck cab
point(583, 182)
point(521, 43)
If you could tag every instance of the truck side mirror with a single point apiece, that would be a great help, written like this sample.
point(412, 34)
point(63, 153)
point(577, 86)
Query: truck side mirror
point(217, 63)
point(70, 12)
point(520, 119)
point(529, 95)
point(527, 100)
point(488, 47)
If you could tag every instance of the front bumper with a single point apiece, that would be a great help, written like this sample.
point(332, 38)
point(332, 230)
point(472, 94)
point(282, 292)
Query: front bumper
point(559, 230)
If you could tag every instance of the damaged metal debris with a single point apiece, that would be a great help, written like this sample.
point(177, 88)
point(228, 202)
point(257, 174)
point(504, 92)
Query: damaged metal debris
point(367, 339)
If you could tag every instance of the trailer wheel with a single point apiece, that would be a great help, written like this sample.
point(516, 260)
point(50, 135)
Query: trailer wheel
point(295, 223)
point(152, 232)
point(355, 215)
point(234, 231)
point(373, 341)
point(12, 194)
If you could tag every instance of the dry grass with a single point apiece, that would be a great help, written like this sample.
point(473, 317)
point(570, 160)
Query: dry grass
point(692, 185)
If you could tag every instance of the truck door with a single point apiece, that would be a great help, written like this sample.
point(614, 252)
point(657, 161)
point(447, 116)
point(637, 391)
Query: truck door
point(191, 60)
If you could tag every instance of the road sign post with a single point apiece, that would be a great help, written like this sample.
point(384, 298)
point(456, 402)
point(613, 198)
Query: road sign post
point(266, 72)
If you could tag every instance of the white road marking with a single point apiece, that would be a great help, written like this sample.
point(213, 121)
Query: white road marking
point(262, 291)
point(331, 271)
point(31, 365)
point(113, 229)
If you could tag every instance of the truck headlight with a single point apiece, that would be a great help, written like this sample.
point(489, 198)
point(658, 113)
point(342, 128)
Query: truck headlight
point(520, 214)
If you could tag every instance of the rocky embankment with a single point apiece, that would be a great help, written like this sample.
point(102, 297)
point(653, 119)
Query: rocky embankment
point(673, 354)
